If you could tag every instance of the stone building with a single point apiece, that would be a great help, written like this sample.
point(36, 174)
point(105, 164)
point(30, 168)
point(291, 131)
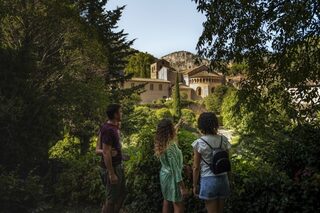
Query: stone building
point(153, 88)
point(196, 81)
point(202, 81)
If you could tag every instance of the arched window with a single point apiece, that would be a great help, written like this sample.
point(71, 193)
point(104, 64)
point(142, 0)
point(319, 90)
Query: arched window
point(198, 91)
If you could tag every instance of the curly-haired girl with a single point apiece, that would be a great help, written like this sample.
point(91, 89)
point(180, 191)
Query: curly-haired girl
point(170, 156)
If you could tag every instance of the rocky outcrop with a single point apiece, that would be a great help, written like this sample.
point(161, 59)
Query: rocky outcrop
point(184, 60)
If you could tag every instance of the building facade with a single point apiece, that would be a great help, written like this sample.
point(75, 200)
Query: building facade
point(153, 88)
point(196, 81)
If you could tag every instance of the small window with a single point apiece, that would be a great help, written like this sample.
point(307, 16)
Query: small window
point(132, 84)
point(212, 90)
point(199, 91)
point(151, 86)
point(160, 87)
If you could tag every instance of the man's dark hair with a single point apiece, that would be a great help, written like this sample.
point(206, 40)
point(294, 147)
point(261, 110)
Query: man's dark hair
point(112, 109)
point(208, 123)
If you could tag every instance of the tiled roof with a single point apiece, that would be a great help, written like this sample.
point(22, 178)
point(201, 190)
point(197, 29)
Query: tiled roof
point(149, 80)
point(205, 74)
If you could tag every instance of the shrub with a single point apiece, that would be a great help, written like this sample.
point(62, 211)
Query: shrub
point(79, 182)
point(142, 173)
point(260, 187)
point(67, 148)
point(213, 101)
point(189, 116)
point(163, 113)
point(19, 194)
point(229, 117)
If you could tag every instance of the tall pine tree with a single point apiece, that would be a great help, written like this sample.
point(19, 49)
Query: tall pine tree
point(116, 45)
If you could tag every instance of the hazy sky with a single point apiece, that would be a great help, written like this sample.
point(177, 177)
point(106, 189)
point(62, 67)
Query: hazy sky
point(161, 26)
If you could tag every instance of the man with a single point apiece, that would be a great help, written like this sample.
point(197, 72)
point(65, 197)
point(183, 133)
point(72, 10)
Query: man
point(112, 156)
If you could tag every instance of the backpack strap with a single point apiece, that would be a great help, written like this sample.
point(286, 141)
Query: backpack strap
point(206, 143)
point(221, 143)
point(210, 147)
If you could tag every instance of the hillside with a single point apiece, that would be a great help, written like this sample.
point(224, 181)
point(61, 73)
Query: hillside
point(183, 60)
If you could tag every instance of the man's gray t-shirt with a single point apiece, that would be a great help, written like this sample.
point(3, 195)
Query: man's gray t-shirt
point(206, 152)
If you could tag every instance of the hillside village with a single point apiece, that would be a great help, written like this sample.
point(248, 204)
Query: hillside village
point(196, 79)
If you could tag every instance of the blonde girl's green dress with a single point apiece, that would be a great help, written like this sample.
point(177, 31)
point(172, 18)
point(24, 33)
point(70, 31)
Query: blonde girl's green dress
point(171, 173)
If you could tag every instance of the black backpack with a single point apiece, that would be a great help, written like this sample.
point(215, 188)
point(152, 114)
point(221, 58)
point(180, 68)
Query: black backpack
point(220, 159)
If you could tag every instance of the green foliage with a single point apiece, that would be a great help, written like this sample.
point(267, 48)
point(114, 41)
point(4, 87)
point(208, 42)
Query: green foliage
point(143, 169)
point(19, 194)
point(189, 117)
point(79, 182)
point(139, 64)
point(238, 68)
point(163, 113)
point(214, 100)
point(68, 148)
point(282, 54)
point(228, 113)
point(186, 138)
point(57, 79)
point(55, 82)
point(281, 178)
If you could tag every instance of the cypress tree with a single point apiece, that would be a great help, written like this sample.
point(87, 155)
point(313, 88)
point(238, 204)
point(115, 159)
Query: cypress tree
point(176, 99)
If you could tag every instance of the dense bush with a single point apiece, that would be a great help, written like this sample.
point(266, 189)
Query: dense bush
point(142, 173)
point(19, 194)
point(189, 117)
point(163, 113)
point(258, 186)
point(276, 166)
point(79, 182)
point(213, 101)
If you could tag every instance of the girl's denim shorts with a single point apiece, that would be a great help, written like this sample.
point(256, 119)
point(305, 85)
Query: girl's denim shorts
point(214, 187)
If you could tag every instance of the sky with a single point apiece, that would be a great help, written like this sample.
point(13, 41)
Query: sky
point(161, 26)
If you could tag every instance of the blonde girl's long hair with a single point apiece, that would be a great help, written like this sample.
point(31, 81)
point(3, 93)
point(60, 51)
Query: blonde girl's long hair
point(164, 135)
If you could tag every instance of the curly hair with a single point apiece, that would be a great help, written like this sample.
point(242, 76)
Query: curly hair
point(208, 123)
point(164, 135)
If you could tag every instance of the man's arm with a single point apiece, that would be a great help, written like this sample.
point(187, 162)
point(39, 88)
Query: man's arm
point(107, 156)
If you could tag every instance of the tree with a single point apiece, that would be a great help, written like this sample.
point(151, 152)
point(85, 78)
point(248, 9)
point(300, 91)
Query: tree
point(176, 99)
point(278, 39)
point(139, 64)
point(111, 58)
point(31, 73)
point(115, 45)
point(57, 79)
point(213, 101)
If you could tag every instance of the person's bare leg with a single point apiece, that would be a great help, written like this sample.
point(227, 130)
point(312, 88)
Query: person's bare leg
point(166, 207)
point(109, 207)
point(103, 208)
point(119, 204)
point(178, 207)
point(212, 206)
point(220, 205)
